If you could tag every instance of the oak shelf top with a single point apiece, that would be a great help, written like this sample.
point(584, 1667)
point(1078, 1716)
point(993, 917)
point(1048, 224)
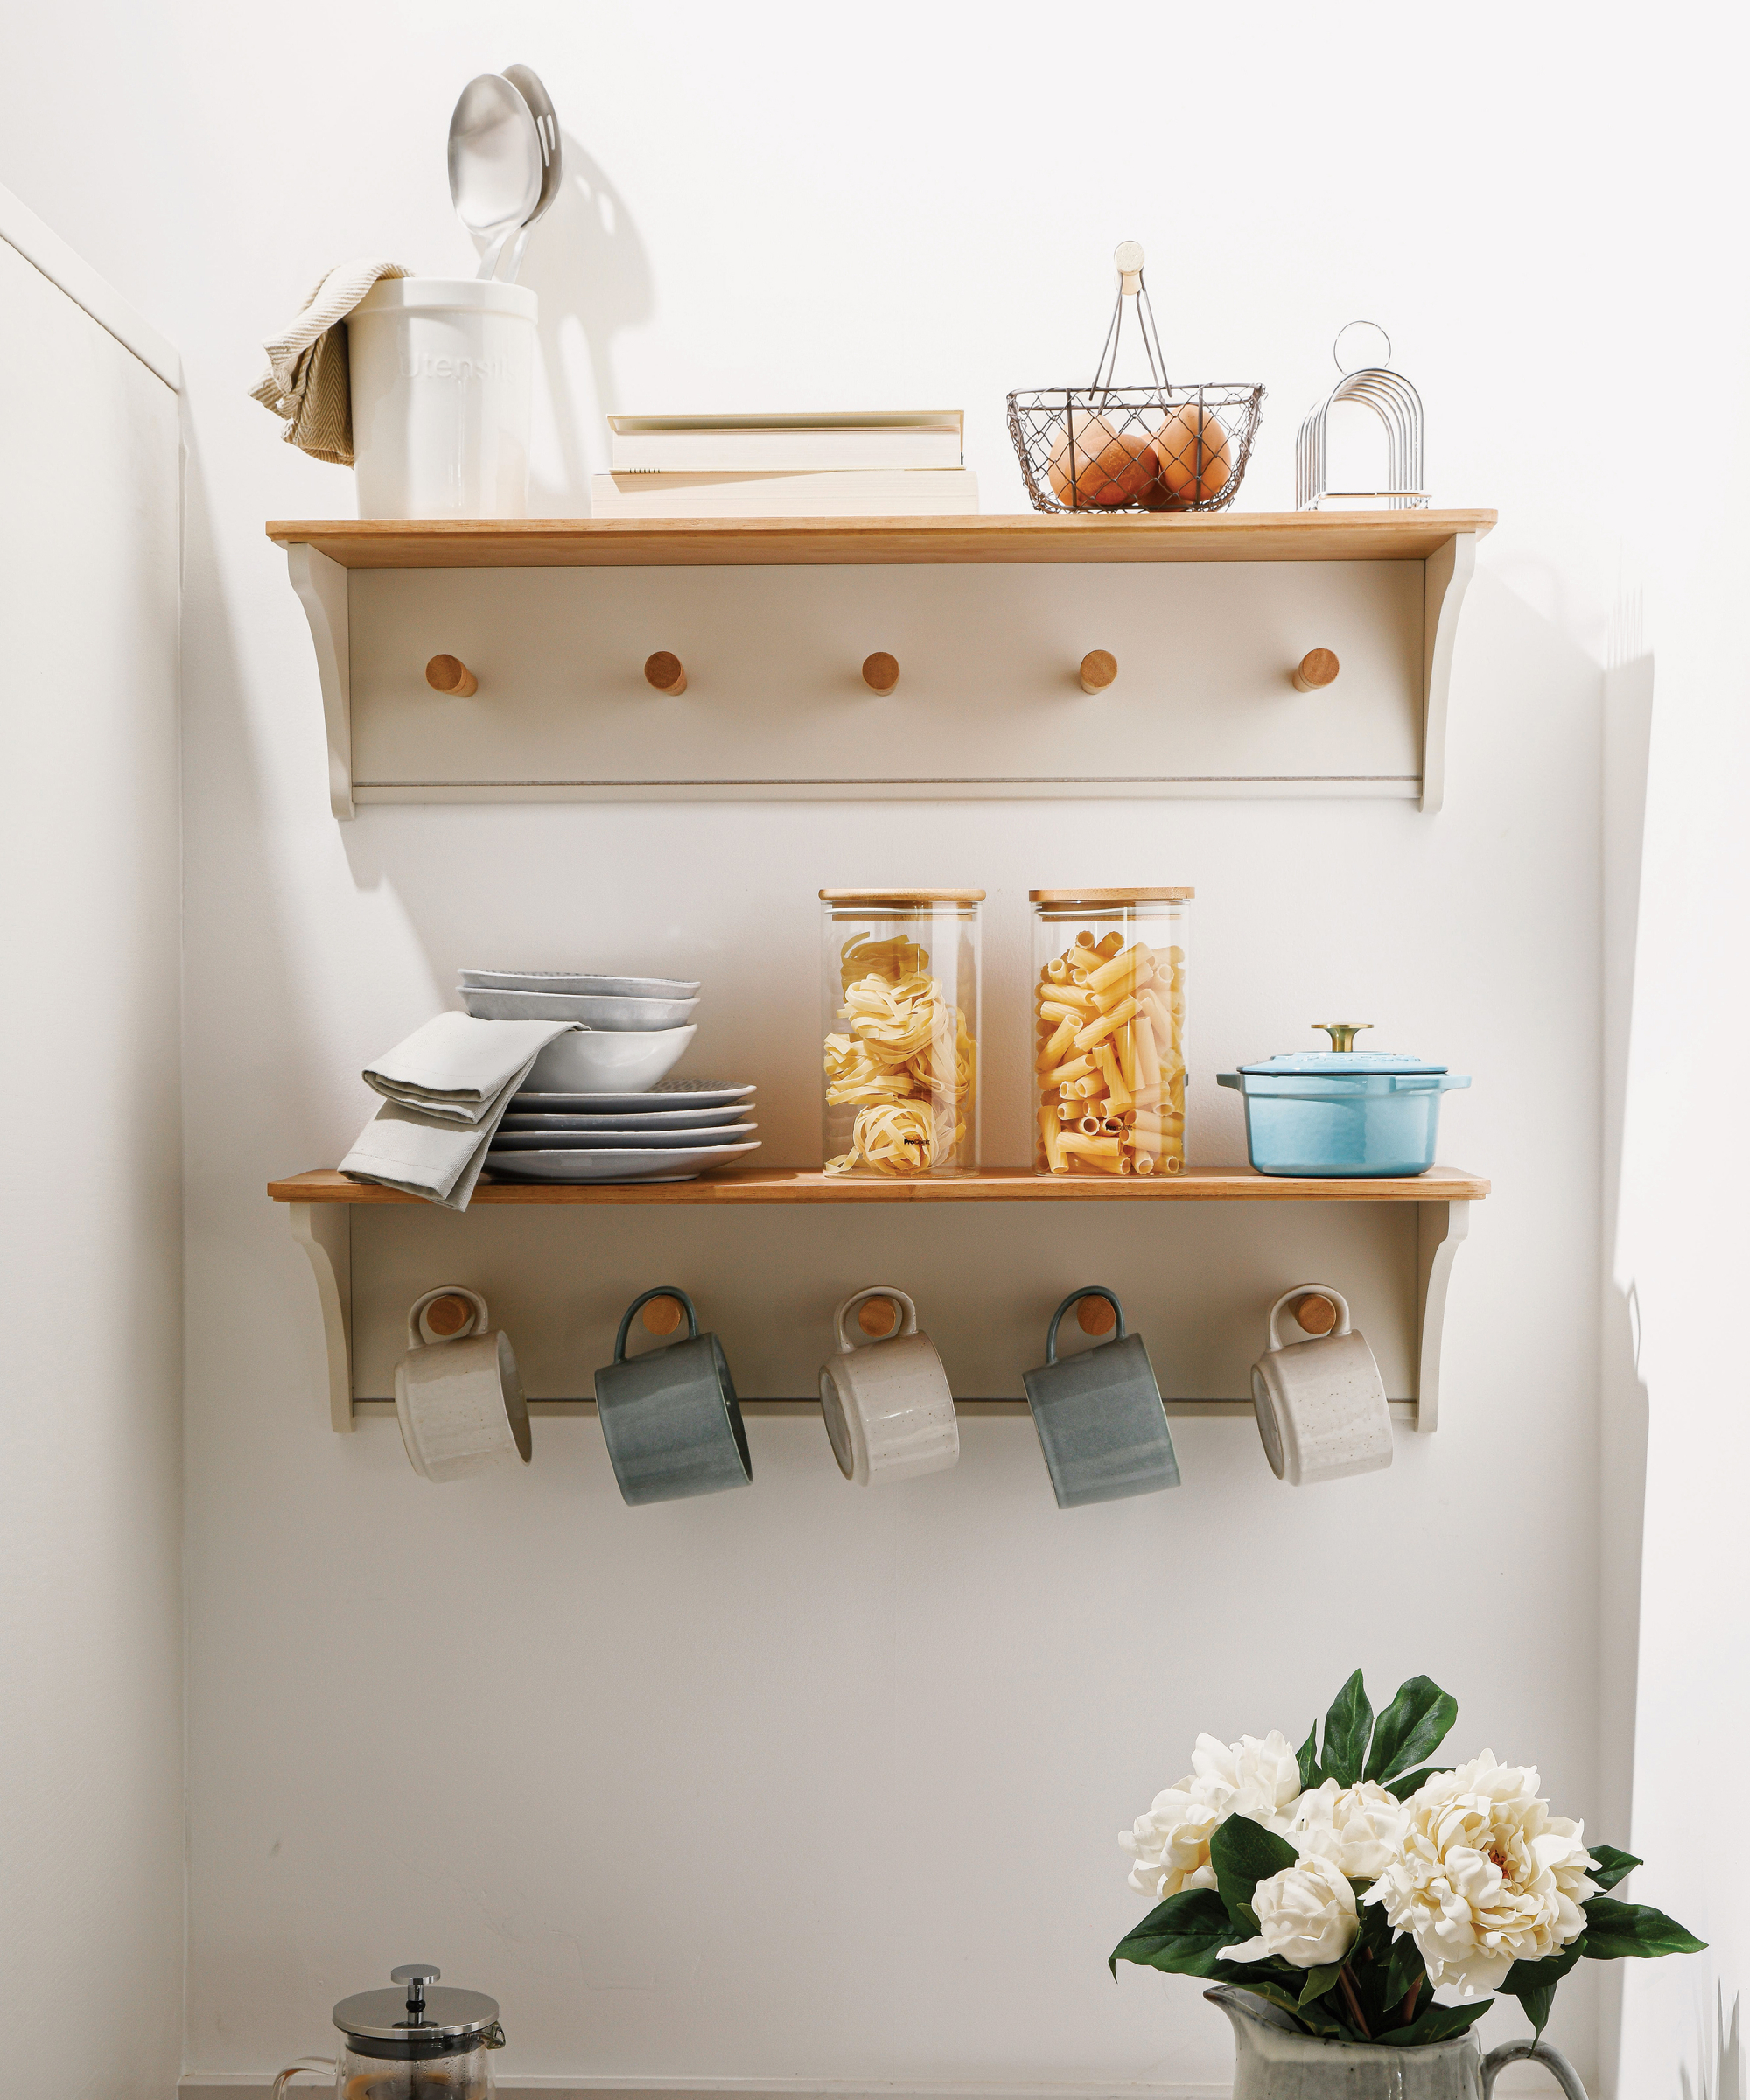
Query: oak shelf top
point(1006, 1184)
point(1222, 536)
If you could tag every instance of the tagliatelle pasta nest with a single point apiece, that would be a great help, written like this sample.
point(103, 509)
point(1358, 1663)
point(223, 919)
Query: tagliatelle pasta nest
point(907, 1062)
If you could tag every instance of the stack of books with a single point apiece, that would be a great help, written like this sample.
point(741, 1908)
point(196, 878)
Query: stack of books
point(879, 465)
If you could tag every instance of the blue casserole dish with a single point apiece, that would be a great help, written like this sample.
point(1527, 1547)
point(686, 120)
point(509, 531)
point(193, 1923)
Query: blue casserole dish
point(1342, 1113)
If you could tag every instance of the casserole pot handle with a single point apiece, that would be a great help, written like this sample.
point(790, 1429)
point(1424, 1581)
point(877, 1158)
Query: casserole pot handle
point(1314, 1290)
point(661, 1290)
point(1076, 1299)
point(909, 1323)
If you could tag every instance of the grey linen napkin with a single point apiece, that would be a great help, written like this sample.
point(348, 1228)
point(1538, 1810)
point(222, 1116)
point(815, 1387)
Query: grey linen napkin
point(309, 376)
point(446, 1091)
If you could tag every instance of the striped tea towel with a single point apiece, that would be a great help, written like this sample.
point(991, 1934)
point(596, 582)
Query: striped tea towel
point(307, 381)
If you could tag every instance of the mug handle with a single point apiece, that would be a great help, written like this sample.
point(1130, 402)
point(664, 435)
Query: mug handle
point(1076, 1299)
point(1316, 1291)
point(661, 1290)
point(303, 2063)
point(1540, 2051)
point(482, 1321)
point(908, 1326)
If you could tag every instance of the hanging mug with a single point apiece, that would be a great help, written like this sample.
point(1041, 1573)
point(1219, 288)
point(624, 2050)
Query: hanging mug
point(889, 1412)
point(670, 1417)
point(1101, 1420)
point(456, 1394)
point(1321, 1406)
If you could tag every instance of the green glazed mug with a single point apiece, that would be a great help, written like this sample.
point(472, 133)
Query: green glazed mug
point(670, 1417)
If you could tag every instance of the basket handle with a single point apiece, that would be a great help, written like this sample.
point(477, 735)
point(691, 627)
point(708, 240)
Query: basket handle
point(1128, 256)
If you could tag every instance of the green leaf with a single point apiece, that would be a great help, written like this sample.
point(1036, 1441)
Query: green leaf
point(1310, 1773)
point(1411, 1728)
point(1243, 1853)
point(1313, 2017)
point(1318, 1981)
point(1403, 1969)
point(1611, 1864)
point(1412, 1782)
point(1616, 1930)
point(1438, 2023)
point(1534, 1983)
point(1347, 1728)
point(1184, 1935)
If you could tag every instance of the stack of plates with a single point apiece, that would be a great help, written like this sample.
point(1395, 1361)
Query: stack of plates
point(671, 1133)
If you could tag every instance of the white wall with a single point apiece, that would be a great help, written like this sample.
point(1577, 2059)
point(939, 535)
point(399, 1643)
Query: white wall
point(794, 1784)
point(91, 1769)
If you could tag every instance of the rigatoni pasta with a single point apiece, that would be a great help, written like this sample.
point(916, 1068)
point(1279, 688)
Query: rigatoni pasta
point(1108, 1041)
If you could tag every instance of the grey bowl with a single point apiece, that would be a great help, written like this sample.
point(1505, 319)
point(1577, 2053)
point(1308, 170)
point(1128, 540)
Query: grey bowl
point(614, 1013)
point(578, 985)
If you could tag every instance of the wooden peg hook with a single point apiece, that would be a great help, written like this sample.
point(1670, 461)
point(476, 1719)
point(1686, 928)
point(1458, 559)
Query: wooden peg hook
point(879, 1318)
point(1315, 670)
point(667, 672)
point(448, 1316)
point(663, 1315)
point(1096, 1316)
point(1099, 668)
point(450, 674)
point(1315, 1313)
point(880, 675)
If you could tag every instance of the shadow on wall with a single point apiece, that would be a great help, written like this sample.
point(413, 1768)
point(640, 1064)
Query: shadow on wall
point(587, 262)
point(1721, 2053)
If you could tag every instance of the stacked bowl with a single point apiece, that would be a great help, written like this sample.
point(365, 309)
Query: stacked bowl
point(598, 1105)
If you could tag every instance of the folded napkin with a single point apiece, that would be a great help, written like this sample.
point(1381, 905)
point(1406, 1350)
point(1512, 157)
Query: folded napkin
point(308, 378)
point(446, 1091)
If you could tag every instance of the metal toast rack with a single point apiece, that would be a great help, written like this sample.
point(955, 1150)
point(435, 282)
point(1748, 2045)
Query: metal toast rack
point(1398, 406)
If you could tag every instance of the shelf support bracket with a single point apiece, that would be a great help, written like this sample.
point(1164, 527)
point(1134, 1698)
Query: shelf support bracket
point(324, 1232)
point(1440, 1226)
point(321, 587)
point(1445, 576)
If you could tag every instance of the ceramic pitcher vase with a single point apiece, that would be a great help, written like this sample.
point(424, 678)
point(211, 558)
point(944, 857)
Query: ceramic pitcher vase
point(1276, 2062)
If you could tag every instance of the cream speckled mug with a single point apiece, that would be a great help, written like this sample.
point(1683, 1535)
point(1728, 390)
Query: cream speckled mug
point(889, 1412)
point(1321, 1406)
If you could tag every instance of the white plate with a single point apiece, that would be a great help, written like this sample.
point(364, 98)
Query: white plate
point(641, 1164)
point(624, 1119)
point(565, 1006)
point(667, 1093)
point(611, 1057)
point(580, 985)
point(605, 1141)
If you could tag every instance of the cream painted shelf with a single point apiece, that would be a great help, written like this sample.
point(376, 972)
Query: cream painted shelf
point(1206, 614)
point(321, 1205)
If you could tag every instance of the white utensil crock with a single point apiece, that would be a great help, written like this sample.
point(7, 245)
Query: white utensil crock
point(1321, 1406)
point(888, 1410)
point(460, 1402)
point(442, 374)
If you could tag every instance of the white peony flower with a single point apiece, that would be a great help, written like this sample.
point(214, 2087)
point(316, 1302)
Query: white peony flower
point(1256, 1777)
point(1259, 1779)
point(1171, 1844)
point(1361, 1829)
point(1487, 1876)
point(1306, 1914)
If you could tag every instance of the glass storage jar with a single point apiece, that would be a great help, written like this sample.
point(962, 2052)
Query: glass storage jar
point(900, 1019)
point(1109, 1031)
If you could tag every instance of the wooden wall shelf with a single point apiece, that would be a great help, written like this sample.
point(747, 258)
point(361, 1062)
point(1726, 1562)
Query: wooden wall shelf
point(1221, 535)
point(1207, 615)
point(321, 1204)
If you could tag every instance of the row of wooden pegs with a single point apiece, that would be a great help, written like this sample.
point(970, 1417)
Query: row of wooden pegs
point(1098, 670)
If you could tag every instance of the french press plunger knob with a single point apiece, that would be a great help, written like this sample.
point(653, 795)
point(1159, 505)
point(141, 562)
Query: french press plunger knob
point(415, 1976)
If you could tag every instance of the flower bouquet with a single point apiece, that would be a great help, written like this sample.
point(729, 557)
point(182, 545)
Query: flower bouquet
point(1369, 1895)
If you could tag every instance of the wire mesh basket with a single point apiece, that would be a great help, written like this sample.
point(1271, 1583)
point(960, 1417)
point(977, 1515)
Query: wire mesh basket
point(1159, 447)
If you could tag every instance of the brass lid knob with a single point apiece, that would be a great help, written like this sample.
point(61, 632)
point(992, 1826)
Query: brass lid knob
point(1342, 1033)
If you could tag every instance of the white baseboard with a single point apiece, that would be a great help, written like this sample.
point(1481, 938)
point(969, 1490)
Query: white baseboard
point(245, 2087)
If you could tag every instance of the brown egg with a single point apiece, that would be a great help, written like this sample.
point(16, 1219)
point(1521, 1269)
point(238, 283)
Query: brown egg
point(1195, 459)
point(1110, 467)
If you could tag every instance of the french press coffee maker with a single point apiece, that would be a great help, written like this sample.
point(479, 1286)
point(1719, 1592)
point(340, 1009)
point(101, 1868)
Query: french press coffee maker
point(410, 2043)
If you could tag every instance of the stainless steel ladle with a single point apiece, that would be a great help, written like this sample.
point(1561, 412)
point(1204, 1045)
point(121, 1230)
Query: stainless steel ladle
point(496, 163)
